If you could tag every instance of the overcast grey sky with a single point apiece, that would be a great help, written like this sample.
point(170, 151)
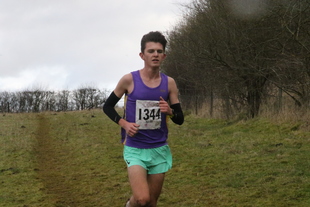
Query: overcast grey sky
point(66, 44)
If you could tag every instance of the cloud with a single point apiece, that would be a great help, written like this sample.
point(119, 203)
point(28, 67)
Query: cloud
point(36, 78)
point(74, 42)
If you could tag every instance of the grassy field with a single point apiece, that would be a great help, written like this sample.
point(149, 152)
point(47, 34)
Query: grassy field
point(74, 159)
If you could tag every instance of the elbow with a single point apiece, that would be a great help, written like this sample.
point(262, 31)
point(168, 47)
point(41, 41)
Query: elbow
point(180, 122)
point(178, 119)
point(104, 108)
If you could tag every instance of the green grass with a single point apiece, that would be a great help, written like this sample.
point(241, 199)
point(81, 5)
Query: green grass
point(75, 159)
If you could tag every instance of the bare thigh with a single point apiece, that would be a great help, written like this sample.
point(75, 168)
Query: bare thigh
point(155, 182)
point(138, 181)
point(145, 186)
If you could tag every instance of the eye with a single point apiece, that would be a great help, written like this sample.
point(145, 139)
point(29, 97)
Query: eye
point(153, 50)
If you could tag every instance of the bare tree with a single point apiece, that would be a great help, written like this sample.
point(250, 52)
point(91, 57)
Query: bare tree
point(230, 57)
point(63, 98)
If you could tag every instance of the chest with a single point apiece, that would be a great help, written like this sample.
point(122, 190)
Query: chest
point(153, 83)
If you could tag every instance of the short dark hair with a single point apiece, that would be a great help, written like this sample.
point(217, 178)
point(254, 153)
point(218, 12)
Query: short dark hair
point(153, 37)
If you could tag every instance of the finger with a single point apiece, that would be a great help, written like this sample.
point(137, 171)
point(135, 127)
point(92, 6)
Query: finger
point(162, 102)
point(133, 131)
point(135, 128)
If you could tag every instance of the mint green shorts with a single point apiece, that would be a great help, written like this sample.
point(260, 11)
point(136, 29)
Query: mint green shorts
point(154, 160)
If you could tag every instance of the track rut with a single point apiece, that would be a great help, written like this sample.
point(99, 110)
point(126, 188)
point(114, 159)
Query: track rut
point(50, 164)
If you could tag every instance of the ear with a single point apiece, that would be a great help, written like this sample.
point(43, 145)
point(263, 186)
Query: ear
point(141, 55)
point(165, 55)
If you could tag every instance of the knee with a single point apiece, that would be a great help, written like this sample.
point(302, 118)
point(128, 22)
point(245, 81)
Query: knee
point(143, 201)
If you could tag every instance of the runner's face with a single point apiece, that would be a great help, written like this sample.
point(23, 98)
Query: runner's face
point(153, 54)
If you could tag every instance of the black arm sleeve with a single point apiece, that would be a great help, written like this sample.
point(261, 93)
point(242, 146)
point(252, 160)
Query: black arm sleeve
point(177, 116)
point(109, 109)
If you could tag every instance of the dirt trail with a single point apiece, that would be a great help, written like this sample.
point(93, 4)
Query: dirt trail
point(50, 164)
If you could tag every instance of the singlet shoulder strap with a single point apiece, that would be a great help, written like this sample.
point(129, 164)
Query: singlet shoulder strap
point(136, 75)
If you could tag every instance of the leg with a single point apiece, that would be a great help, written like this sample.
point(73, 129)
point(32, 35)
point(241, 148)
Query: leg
point(146, 188)
point(155, 182)
point(139, 185)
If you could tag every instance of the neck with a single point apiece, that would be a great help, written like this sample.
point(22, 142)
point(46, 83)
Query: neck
point(150, 73)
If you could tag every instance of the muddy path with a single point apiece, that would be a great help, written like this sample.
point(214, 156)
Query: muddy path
point(50, 159)
point(77, 161)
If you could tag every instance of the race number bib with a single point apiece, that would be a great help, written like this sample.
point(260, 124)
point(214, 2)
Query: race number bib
point(148, 114)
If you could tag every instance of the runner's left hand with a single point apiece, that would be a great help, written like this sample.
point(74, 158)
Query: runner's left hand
point(164, 107)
